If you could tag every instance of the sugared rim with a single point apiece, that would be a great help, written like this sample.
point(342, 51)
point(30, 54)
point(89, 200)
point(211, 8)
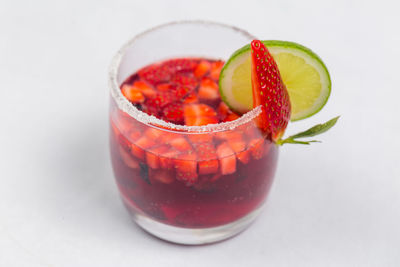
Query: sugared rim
point(150, 120)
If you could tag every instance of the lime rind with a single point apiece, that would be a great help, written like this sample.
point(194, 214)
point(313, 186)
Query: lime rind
point(277, 47)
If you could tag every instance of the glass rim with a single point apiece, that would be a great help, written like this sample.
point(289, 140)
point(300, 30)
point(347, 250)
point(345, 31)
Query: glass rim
point(127, 107)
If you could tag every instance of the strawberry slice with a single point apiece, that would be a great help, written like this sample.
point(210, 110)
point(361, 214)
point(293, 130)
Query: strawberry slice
point(227, 159)
point(202, 69)
point(208, 89)
point(132, 94)
point(173, 113)
point(269, 91)
point(199, 114)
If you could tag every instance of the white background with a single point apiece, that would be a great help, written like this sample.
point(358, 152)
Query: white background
point(333, 204)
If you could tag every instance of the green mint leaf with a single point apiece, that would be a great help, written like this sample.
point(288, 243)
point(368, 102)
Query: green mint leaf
point(313, 131)
point(292, 141)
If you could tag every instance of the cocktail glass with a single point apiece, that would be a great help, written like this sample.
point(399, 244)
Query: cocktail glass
point(172, 191)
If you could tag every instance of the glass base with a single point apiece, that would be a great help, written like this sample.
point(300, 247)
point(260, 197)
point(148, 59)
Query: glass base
point(189, 236)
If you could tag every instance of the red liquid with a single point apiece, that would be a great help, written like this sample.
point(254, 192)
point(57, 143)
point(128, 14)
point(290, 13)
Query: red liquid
point(181, 179)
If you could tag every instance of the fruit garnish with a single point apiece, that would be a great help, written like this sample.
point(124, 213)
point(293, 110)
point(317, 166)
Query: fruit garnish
point(303, 72)
point(252, 77)
point(269, 92)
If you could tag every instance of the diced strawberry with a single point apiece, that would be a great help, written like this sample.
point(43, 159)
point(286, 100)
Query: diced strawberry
point(128, 159)
point(208, 89)
point(227, 159)
point(153, 156)
point(173, 113)
point(186, 168)
point(167, 159)
point(202, 69)
point(225, 114)
point(153, 133)
point(124, 142)
point(198, 121)
point(154, 105)
point(207, 158)
point(155, 74)
point(208, 166)
point(216, 69)
point(160, 100)
point(181, 64)
point(199, 114)
point(185, 80)
point(181, 91)
point(144, 88)
point(151, 110)
point(133, 136)
point(239, 146)
point(229, 135)
point(200, 138)
point(132, 94)
point(180, 144)
point(231, 117)
point(163, 176)
point(223, 110)
point(244, 156)
point(256, 147)
point(190, 98)
point(138, 148)
point(168, 136)
point(122, 123)
point(199, 110)
point(164, 87)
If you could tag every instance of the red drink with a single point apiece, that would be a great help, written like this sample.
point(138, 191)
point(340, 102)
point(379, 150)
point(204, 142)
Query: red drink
point(182, 178)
